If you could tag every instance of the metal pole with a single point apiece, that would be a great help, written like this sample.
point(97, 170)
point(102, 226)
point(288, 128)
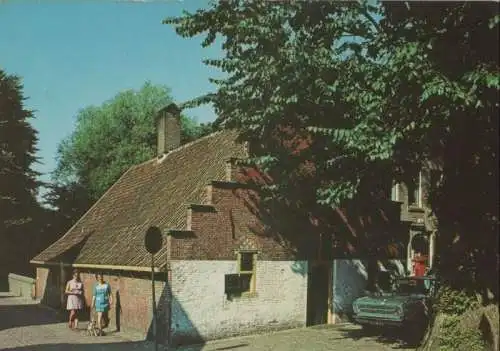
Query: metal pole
point(154, 300)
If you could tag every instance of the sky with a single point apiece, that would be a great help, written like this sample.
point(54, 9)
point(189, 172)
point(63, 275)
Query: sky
point(74, 54)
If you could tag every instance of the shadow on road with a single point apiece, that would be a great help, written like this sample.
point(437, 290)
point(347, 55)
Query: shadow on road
point(125, 346)
point(111, 346)
point(26, 315)
point(393, 337)
point(211, 347)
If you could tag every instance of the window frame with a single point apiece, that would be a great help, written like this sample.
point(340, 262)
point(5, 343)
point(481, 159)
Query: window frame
point(252, 286)
point(416, 189)
point(395, 192)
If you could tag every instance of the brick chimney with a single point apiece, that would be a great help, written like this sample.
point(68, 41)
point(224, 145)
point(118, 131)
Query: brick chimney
point(168, 129)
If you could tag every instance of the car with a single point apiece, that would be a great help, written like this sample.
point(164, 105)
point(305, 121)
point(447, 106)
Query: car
point(406, 306)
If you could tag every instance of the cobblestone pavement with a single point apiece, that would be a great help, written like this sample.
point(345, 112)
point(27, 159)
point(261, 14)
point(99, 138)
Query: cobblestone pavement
point(321, 338)
point(25, 325)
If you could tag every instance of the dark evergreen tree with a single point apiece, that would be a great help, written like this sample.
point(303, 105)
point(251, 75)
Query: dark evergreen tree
point(19, 208)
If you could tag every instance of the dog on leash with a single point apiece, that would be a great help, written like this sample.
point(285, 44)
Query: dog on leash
point(92, 329)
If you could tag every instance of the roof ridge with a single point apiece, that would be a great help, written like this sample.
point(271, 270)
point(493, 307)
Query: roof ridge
point(186, 145)
point(181, 147)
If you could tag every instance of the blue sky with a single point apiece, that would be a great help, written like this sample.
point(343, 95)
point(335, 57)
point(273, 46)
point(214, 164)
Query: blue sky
point(72, 55)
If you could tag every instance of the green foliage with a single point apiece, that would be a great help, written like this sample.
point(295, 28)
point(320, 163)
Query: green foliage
point(271, 51)
point(20, 213)
point(108, 140)
point(456, 308)
point(451, 301)
point(453, 338)
point(371, 89)
point(18, 184)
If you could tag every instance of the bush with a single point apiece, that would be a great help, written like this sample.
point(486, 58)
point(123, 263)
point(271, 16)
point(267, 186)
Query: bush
point(454, 338)
point(454, 302)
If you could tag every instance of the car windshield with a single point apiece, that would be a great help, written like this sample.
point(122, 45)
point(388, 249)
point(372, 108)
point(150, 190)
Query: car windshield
point(412, 286)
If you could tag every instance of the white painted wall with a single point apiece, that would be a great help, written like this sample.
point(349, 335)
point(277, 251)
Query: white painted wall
point(200, 308)
point(349, 282)
point(21, 286)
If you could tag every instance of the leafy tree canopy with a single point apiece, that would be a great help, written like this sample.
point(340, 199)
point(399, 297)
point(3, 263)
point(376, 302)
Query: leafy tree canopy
point(110, 138)
point(374, 89)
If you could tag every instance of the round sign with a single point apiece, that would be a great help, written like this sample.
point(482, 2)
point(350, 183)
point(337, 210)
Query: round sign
point(153, 240)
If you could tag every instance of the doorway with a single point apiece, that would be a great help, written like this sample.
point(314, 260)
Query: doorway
point(318, 291)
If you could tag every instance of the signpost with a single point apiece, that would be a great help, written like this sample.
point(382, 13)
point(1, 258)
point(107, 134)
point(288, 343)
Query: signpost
point(153, 242)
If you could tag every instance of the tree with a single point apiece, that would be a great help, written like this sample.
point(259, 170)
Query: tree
point(370, 89)
point(18, 183)
point(109, 139)
point(459, 103)
point(69, 202)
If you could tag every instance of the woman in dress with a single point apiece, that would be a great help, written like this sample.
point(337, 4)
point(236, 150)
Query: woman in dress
point(101, 300)
point(74, 291)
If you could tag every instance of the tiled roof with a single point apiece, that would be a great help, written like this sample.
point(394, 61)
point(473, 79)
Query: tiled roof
point(153, 193)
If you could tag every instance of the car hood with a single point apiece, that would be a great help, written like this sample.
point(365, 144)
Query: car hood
point(387, 300)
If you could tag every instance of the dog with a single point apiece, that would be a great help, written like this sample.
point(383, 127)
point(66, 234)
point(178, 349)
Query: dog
point(92, 329)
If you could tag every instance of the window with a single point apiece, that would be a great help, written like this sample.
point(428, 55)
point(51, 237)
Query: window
point(246, 262)
point(242, 283)
point(395, 192)
point(415, 192)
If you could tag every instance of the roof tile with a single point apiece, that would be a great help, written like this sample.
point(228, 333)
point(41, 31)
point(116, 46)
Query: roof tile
point(156, 192)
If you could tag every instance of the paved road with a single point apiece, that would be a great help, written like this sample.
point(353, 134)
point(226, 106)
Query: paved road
point(25, 326)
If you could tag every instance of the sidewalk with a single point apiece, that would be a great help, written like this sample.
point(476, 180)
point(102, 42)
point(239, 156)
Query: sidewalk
point(26, 325)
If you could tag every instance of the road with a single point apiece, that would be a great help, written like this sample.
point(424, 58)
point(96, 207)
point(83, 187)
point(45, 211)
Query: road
point(25, 325)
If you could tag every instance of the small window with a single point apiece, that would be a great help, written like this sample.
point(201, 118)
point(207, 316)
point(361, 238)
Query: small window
point(415, 192)
point(242, 283)
point(246, 262)
point(395, 192)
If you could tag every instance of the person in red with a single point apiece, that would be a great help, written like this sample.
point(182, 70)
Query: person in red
point(419, 261)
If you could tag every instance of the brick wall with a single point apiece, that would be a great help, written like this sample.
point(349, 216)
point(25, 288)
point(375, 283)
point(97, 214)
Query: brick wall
point(201, 310)
point(132, 300)
point(230, 219)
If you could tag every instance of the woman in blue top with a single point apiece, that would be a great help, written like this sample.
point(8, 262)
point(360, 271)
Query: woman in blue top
point(102, 299)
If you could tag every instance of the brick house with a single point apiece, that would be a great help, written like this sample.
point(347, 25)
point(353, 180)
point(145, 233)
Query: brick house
point(219, 273)
point(416, 211)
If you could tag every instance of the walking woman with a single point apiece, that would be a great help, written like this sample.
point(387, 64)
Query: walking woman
point(101, 300)
point(74, 291)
